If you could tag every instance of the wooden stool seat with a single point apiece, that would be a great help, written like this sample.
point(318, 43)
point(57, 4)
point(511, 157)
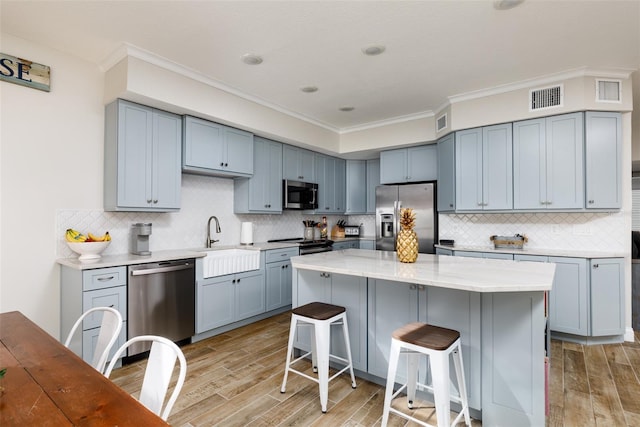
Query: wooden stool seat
point(428, 336)
point(320, 317)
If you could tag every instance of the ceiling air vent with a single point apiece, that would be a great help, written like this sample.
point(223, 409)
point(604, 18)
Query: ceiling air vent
point(441, 122)
point(608, 91)
point(547, 97)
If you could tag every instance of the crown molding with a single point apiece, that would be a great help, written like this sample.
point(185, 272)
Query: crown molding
point(387, 122)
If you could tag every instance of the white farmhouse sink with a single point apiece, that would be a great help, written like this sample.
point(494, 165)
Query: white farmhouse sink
point(228, 261)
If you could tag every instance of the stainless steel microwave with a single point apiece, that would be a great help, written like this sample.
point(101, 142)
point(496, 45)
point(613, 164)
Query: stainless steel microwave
point(299, 195)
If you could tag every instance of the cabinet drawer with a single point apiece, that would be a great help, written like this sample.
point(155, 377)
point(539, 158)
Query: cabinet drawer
point(276, 255)
point(104, 278)
point(90, 339)
point(115, 297)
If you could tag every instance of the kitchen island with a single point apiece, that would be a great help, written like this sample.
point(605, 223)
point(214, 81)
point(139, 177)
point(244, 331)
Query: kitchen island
point(498, 306)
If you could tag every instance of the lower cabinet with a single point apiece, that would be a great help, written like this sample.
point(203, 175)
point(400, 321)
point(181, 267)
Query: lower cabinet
point(278, 277)
point(347, 291)
point(347, 244)
point(227, 299)
point(82, 290)
point(367, 244)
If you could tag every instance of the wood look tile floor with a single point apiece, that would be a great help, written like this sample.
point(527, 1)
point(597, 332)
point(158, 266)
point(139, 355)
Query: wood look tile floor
point(234, 379)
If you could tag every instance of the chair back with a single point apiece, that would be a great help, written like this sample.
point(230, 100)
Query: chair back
point(158, 373)
point(109, 331)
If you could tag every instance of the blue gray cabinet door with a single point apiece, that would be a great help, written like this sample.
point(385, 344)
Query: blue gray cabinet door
point(569, 296)
point(607, 296)
point(203, 144)
point(249, 294)
point(603, 155)
point(529, 164)
point(239, 151)
point(414, 164)
point(278, 285)
point(298, 164)
point(373, 180)
point(393, 166)
point(469, 169)
point(446, 174)
point(262, 193)
point(356, 186)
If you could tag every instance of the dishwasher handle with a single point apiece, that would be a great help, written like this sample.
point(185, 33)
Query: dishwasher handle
point(161, 269)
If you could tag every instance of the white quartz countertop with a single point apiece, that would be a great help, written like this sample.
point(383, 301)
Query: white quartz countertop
point(537, 251)
point(468, 274)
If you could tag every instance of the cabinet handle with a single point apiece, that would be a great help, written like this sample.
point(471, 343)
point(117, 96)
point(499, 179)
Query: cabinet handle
point(226, 164)
point(233, 281)
point(413, 287)
point(221, 163)
point(591, 201)
point(596, 265)
point(450, 205)
point(148, 200)
point(155, 201)
point(104, 279)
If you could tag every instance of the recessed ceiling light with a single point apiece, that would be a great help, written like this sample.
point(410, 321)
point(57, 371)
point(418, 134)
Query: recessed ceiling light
point(373, 50)
point(506, 4)
point(251, 59)
point(309, 89)
point(347, 108)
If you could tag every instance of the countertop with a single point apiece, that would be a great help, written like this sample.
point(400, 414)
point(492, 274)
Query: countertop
point(537, 251)
point(468, 274)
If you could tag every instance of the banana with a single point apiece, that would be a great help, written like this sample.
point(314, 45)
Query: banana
point(75, 236)
point(104, 238)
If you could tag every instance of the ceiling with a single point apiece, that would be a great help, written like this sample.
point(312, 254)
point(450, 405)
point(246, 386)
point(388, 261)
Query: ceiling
point(434, 50)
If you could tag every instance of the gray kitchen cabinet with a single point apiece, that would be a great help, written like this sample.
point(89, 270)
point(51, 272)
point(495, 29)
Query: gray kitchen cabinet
point(607, 296)
point(278, 277)
point(548, 163)
point(367, 244)
point(373, 180)
point(603, 160)
point(347, 244)
point(484, 168)
point(492, 255)
point(414, 164)
point(330, 176)
point(262, 193)
point(446, 174)
point(356, 187)
point(226, 299)
point(442, 251)
point(213, 149)
point(82, 290)
point(347, 291)
point(141, 158)
point(298, 164)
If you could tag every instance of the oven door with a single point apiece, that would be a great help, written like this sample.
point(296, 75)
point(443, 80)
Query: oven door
point(299, 195)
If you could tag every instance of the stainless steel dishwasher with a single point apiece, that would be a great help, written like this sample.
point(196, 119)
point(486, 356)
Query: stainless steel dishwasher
point(161, 301)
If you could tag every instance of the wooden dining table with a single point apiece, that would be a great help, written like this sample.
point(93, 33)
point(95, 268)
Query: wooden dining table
point(46, 384)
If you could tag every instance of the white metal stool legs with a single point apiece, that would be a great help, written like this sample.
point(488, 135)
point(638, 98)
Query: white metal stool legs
point(415, 340)
point(319, 317)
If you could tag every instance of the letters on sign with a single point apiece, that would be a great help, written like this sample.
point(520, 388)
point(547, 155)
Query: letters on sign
point(24, 72)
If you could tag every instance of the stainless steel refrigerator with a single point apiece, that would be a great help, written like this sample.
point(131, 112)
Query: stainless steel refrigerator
point(422, 199)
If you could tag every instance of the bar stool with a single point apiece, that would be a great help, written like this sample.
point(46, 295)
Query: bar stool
point(321, 317)
point(438, 343)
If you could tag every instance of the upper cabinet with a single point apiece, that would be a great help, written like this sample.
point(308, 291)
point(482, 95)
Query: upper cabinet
point(373, 180)
point(603, 154)
point(356, 187)
point(330, 176)
point(262, 193)
point(142, 158)
point(414, 164)
point(548, 156)
point(446, 174)
point(483, 168)
point(298, 164)
point(214, 149)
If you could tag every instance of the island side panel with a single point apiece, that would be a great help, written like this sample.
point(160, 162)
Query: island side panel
point(513, 359)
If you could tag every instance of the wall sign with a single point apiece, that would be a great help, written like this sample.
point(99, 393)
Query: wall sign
point(24, 72)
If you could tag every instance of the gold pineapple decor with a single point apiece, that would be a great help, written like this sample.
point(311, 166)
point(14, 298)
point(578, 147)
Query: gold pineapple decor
point(407, 242)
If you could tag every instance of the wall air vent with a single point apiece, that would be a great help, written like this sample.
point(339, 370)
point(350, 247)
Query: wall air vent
point(547, 97)
point(441, 122)
point(608, 91)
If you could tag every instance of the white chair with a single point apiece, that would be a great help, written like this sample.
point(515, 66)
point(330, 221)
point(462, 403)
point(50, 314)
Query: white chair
point(109, 331)
point(160, 365)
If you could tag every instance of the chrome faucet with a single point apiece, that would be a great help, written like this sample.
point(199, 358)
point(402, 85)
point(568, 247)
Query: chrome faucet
point(209, 240)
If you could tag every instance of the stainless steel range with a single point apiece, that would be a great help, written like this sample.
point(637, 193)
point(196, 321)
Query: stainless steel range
point(309, 246)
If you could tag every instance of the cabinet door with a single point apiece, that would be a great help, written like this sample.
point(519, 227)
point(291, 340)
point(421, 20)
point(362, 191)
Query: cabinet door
point(373, 180)
point(529, 165)
point(265, 186)
point(249, 292)
point(115, 297)
point(607, 296)
point(204, 145)
point(322, 170)
point(568, 298)
point(339, 186)
point(290, 160)
point(441, 251)
point(366, 244)
point(391, 305)
point(215, 300)
point(135, 141)
point(356, 186)
point(167, 173)
point(278, 285)
point(90, 340)
point(351, 292)
point(306, 166)
point(239, 151)
point(393, 166)
point(497, 167)
point(422, 163)
point(603, 153)
point(446, 174)
point(565, 162)
point(469, 169)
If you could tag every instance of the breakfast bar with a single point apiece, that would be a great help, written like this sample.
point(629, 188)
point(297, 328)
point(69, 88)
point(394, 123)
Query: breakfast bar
point(499, 307)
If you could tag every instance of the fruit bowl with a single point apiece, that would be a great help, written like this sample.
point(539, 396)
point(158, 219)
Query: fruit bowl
point(88, 250)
